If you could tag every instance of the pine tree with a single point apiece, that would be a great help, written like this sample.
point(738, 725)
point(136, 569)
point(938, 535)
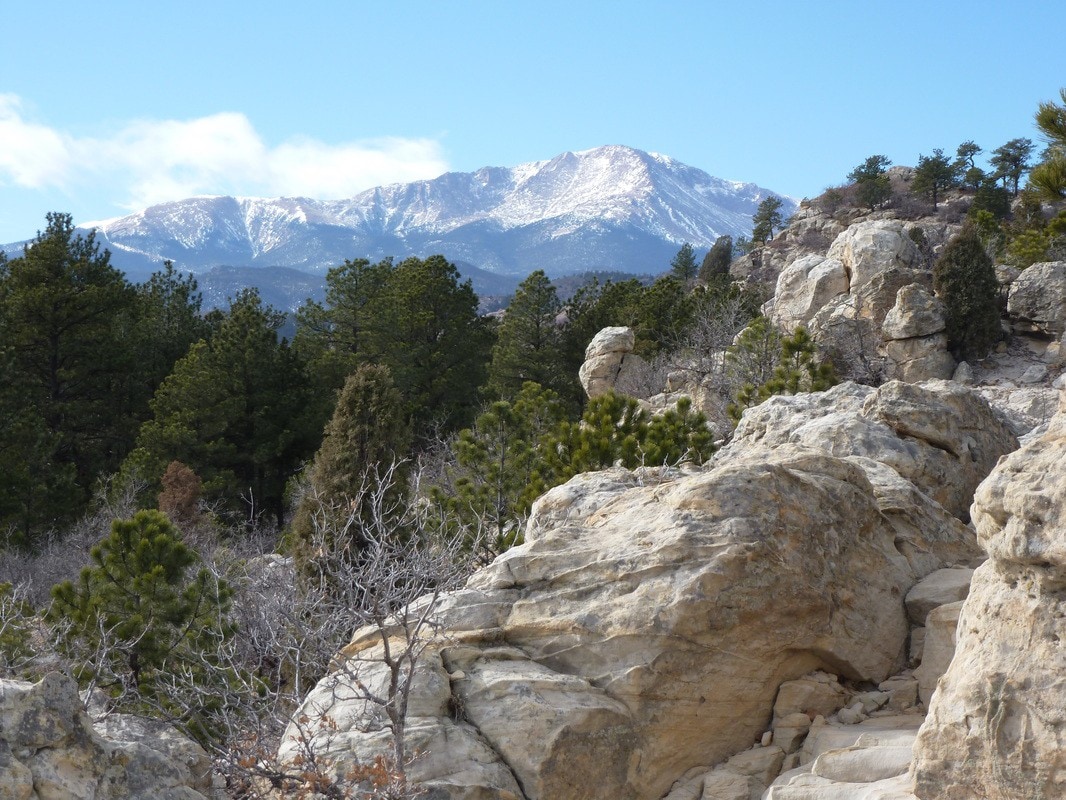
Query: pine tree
point(933, 175)
point(140, 611)
point(715, 267)
point(1011, 162)
point(65, 324)
point(529, 341)
point(683, 266)
point(501, 469)
point(237, 410)
point(872, 186)
point(1049, 176)
point(965, 280)
point(796, 367)
point(368, 434)
point(767, 217)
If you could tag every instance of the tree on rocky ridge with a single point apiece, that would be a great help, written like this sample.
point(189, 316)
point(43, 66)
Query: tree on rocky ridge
point(872, 186)
point(933, 175)
point(767, 217)
point(1011, 161)
point(716, 263)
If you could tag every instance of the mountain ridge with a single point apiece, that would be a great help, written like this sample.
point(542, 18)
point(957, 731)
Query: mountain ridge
point(611, 207)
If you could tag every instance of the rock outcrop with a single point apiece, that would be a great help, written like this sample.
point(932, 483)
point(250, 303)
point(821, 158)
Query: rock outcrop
point(1037, 299)
point(49, 748)
point(996, 727)
point(611, 365)
point(643, 631)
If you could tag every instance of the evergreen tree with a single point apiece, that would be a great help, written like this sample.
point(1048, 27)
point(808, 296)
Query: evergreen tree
point(715, 267)
point(933, 175)
point(367, 436)
point(796, 367)
point(683, 266)
point(972, 175)
point(872, 186)
point(237, 410)
point(1049, 177)
point(767, 217)
point(500, 465)
point(140, 611)
point(965, 280)
point(529, 341)
point(1011, 162)
point(65, 327)
point(416, 318)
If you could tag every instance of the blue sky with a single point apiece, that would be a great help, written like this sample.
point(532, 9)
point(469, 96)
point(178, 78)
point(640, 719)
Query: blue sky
point(107, 107)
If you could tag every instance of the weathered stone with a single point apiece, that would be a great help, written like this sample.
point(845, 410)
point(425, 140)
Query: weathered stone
point(48, 744)
point(609, 360)
point(939, 648)
point(644, 617)
point(803, 287)
point(941, 437)
point(1037, 299)
point(871, 247)
point(921, 359)
point(996, 727)
point(947, 585)
point(916, 313)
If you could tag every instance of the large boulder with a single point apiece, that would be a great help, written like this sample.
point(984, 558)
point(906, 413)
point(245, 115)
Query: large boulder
point(996, 727)
point(942, 437)
point(1037, 299)
point(871, 247)
point(803, 287)
point(50, 749)
point(642, 630)
point(610, 365)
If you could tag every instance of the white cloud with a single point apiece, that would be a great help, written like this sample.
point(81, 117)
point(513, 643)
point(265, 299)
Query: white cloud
point(150, 161)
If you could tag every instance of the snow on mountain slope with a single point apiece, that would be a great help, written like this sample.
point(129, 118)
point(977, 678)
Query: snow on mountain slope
point(610, 207)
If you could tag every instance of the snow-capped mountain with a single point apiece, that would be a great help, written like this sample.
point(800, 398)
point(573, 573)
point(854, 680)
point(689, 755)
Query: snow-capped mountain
point(609, 208)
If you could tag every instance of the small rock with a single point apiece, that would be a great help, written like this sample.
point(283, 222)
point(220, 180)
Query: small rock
point(1035, 374)
point(963, 374)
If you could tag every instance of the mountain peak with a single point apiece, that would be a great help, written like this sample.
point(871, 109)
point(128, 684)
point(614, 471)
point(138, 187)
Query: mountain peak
point(610, 207)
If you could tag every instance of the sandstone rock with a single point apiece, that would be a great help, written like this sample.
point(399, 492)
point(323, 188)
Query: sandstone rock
point(1023, 409)
point(610, 364)
point(1037, 299)
point(943, 438)
point(916, 313)
point(996, 726)
point(637, 636)
point(963, 374)
point(49, 750)
point(938, 649)
point(872, 247)
point(866, 761)
point(803, 287)
point(902, 692)
point(948, 585)
point(924, 358)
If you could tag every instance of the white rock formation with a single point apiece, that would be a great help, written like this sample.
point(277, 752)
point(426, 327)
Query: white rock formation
point(996, 727)
point(642, 632)
point(610, 364)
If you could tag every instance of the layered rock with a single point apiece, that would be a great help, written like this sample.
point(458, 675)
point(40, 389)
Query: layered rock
point(643, 630)
point(915, 338)
point(1037, 299)
point(942, 437)
point(996, 727)
point(50, 749)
